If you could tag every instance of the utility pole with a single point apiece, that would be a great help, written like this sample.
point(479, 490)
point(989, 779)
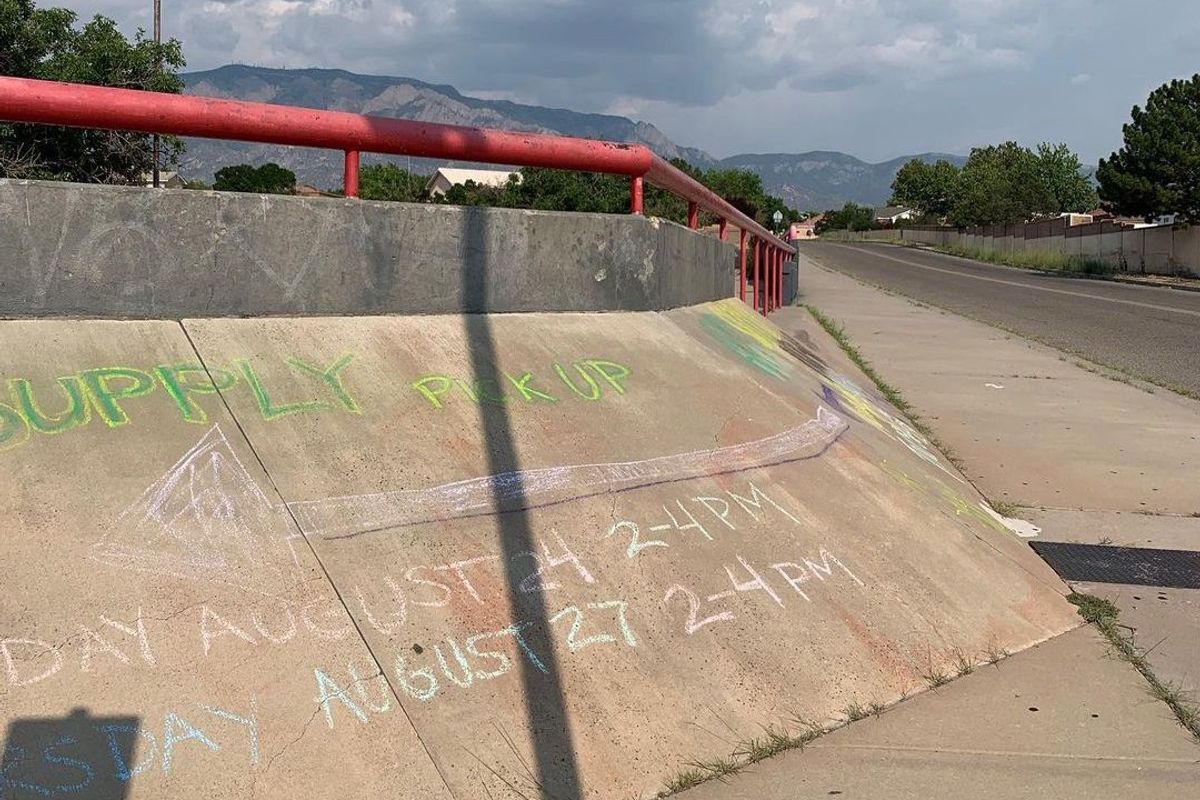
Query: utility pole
point(158, 65)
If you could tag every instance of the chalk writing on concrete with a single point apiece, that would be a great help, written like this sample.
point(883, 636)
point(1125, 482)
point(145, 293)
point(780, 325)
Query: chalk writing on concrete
point(482, 656)
point(586, 379)
point(342, 517)
point(205, 519)
point(106, 393)
point(113, 394)
point(764, 347)
point(744, 577)
point(969, 510)
point(388, 601)
point(682, 518)
point(100, 753)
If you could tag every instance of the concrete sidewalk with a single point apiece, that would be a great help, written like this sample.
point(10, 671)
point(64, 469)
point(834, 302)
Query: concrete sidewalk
point(1015, 730)
point(1031, 427)
point(1089, 459)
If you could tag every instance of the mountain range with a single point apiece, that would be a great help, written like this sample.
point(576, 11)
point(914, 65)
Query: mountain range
point(808, 181)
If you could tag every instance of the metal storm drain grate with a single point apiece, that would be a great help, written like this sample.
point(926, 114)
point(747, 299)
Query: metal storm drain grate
point(1097, 563)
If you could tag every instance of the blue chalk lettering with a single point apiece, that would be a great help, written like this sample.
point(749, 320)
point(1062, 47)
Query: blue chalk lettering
point(362, 692)
point(251, 724)
point(121, 769)
point(51, 757)
point(501, 658)
point(515, 629)
point(416, 692)
point(170, 739)
point(325, 684)
point(14, 755)
point(468, 678)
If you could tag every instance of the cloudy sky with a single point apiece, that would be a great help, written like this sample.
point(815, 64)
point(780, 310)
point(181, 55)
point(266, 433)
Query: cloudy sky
point(874, 78)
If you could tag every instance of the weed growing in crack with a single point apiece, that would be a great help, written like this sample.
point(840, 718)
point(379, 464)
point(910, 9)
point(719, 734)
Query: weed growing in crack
point(935, 678)
point(963, 664)
point(1103, 614)
point(995, 653)
point(856, 711)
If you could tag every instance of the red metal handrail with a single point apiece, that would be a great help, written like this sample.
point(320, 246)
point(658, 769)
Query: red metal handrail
point(84, 106)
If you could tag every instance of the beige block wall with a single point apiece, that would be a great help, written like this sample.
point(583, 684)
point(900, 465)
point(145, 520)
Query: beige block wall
point(1186, 250)
point(1163, 250)
point(1132, 245)
point(1157, 250)
point(1109, 248)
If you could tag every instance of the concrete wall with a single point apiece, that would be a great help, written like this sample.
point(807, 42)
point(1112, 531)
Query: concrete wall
point(303, 560)
point(1162, 250)
point(107, 251)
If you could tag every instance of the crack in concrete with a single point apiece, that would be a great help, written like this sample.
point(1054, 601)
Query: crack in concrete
point(326, 575)
point(303, 731)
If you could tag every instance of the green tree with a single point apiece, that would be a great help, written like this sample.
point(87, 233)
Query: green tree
point(267, 179)
point(771, 204)
point(477, 194)
point(928, 189)
point(390, 182)
point(44, 43)
point(1157, 170)
point(851, 217)
point(563, 190)
point(1062, 174)
point(742, 188)
point(1001, 184)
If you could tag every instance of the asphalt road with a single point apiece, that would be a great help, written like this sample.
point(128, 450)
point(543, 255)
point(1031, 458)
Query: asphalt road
point(1148, 331)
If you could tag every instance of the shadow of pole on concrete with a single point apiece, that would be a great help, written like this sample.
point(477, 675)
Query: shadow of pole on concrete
point(545, 701)
point(78, 756)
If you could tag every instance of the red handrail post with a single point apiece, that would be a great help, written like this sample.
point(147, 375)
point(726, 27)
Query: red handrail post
point(693, 215)
point(771, 281)
point(759, 249)
point(350, 174)
point(766, 276)
point(636, 192)
point(779, 283)
point(723, 229)
point(775, 279)
point(742, 266)
point(778, 278)
point(769, 288)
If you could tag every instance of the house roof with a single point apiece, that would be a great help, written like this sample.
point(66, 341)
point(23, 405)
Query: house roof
point(164, 175)
point(305, 190)
point(890, 211)
point(483, 177)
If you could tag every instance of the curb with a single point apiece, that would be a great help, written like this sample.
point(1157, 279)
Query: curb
point(1127, 279)
point(1136, 282)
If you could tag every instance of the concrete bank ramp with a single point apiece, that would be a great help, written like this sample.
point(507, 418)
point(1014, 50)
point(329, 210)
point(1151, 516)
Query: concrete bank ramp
point(464, 557)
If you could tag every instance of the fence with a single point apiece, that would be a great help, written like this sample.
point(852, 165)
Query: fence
point(78, 105)
point(1156, 250)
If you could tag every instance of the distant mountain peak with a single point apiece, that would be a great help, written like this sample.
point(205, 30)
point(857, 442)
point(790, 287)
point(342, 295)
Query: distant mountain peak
point(809, 181)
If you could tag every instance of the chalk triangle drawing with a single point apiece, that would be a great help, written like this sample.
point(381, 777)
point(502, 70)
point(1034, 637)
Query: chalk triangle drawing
point(205, 519)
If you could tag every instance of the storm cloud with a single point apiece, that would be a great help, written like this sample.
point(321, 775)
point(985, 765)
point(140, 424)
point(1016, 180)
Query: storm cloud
point(873, 78)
